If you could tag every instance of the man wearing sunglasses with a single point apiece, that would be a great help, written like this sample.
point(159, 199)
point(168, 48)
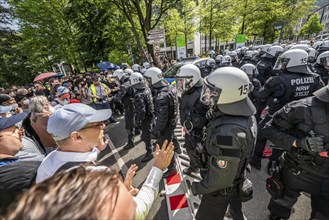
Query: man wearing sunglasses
point(78, 131)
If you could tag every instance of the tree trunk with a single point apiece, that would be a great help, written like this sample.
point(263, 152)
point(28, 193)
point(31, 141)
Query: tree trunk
point(242, 27)
point(210, 25)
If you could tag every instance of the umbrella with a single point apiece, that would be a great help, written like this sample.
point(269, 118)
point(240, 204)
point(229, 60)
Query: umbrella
point(105, 65)
point(44, 76)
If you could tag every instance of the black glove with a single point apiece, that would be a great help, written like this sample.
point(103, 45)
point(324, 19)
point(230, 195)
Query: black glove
point(311, 144)
point(210, 114)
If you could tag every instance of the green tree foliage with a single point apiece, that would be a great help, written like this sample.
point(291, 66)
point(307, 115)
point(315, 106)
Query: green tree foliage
point(13, 64)
point(144, 16)
point(85, 32)
point(312, 26)
point(217, 20)
point(181, 21)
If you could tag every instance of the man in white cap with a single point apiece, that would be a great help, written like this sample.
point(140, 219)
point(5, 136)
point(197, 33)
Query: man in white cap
point(78, 132)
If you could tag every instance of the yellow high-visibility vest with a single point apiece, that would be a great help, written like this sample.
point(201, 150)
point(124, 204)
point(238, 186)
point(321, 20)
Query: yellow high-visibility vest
point(94, 92)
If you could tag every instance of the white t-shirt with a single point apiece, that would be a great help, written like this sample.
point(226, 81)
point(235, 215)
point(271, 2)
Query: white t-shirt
point(57, 159)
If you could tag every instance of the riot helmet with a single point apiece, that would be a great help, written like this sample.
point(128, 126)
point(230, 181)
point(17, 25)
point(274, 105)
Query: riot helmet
point(263, 49)
point(187, 77)
point(153, 75)
point(273, 52)
point(305, 42)
point(324, 46)
point(249, 54)
point(137, 80)
point(226, 60)
point(312, 55)
point(301, 46)
point(228, 88)
point(294, 60)
point(210, 63)
point(250, 70)
point(146, 65)
point(218, 58)
point(317, 44)
point(119, 74)
point(128, 71)
point(323, 60)
point(136, 68)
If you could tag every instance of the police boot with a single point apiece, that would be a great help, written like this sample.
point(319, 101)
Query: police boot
point(272, 166)
point(129, 145)
point(257, 164)
point(148, 156)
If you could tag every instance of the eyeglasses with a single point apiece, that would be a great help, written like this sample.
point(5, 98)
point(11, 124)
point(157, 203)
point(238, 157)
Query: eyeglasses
point(93, 126)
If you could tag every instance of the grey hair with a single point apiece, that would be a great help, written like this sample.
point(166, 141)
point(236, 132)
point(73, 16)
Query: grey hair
point(36, 106)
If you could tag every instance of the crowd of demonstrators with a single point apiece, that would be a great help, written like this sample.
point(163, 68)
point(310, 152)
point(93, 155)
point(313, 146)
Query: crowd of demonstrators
point(227, 114)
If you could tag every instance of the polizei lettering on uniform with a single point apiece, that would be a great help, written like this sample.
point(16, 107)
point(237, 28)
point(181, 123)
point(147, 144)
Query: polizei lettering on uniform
point(302, 81)
point(300, 89)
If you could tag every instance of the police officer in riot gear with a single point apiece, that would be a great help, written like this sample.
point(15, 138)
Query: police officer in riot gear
point(125, 96)
point(226, 61)
point(192, 112)
point(265, 66)
point(165, 117)
point(302, 129)
point(321, 66)
point(234, 58)
point(252, 73)
point(247, 58)
point(210, 65)
point(136, 67)
point(218, 60)
point(231, 135)
point(144, 110)
point(323, 47)
point(294, 82)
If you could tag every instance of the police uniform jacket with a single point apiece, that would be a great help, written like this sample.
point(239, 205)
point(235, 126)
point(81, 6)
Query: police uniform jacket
point(265, 67)
point(125, 95)
point(192, 110)
point(286, 87)
point(165, 109)
point(295, 121)
point(229, 145)
point(143, 104)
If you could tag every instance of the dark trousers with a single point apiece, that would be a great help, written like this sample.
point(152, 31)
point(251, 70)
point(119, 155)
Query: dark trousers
point(296, 182)
point(214, 206)
point(168, 134)
point(191, 145)
point(261, 140)
point(130, 124)
point(146, 133)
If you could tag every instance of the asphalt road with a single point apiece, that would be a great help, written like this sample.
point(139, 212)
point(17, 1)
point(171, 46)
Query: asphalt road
point(120, 159)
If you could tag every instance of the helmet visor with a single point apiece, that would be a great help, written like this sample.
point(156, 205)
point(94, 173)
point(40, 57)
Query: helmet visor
point(281, 63)
point(209, 94)
point(183, 84)
point(148, 81)
point(324, 62)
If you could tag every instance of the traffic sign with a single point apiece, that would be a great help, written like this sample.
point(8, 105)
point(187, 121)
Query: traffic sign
point(159, 41)
point(157, 31)
point(155, 36)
